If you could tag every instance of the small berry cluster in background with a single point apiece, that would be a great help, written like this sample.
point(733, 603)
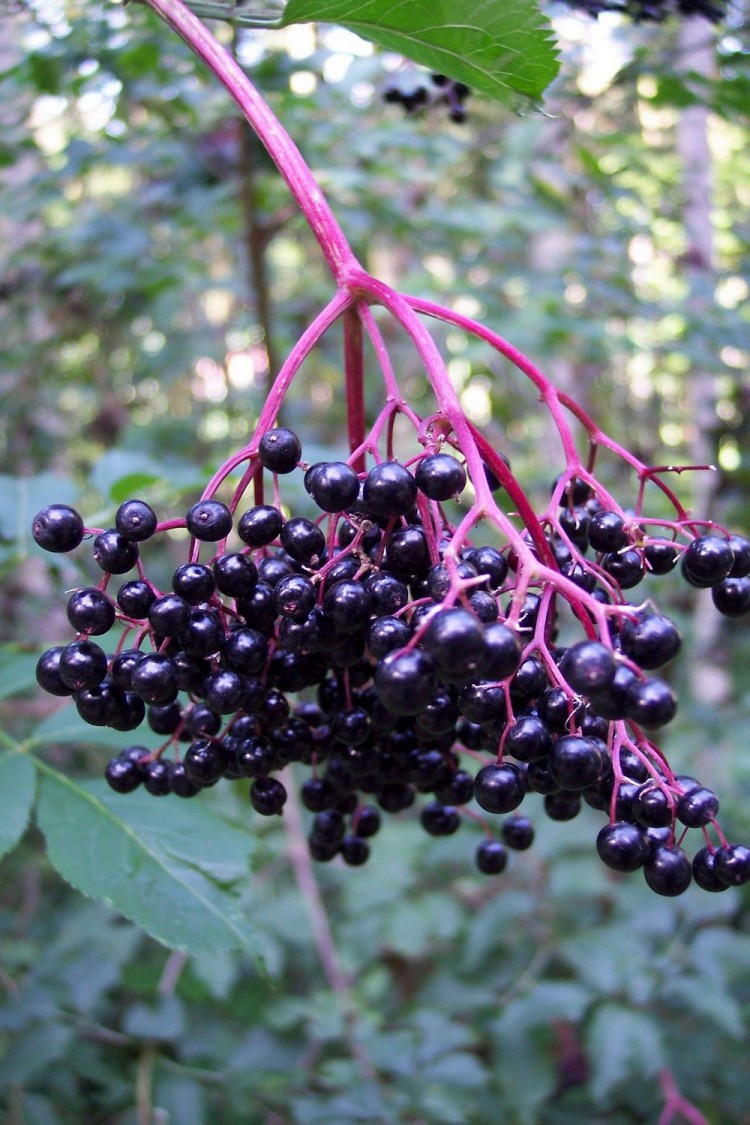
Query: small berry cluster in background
point(654, 11)
point(400, 661)
point(433, 90)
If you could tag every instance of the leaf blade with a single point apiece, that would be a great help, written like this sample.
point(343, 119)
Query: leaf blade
point(504, 48)
point(18, 787)
point(156, 862)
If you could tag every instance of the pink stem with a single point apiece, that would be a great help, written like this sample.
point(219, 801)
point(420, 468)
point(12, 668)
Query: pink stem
point(279, 145)
point(354, 379)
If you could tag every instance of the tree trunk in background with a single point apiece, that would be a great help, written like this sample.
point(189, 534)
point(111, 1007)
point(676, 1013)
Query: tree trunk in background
point(710, 682)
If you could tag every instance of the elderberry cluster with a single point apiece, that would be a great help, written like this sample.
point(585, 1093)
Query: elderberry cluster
point(654, 11)
point(435, 90)
point(398, 662)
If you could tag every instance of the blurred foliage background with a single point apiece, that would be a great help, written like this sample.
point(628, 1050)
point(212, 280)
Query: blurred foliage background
point(153, 275)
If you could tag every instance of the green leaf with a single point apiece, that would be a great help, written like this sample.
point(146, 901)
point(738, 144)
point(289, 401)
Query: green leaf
point(17, 786)
point(706, 1001)
point(32, 1052)
point(172, 867)
point(621, 1045)
point(498, 47)
point(17, 670)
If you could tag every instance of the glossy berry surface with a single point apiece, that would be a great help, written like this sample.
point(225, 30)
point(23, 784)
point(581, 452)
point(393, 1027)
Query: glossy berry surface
point(279, 450)
point(57, 528)
point(440, 476)
point(668, 870)
point(491, 857)
point(209, 521)
point(136, 520)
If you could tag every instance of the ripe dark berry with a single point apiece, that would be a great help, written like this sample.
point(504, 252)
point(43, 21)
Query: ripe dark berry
point(154, 678)
point(294, 596)
point(732, 596)
point(205, 762)
point(607, 532)
point(366, 821)
point(57, 528)
point(204, 633)
point(458, 790)
point(169, 615)
point(395, 796)
point(562, 806)
point(255, 757)
point(267, 796)
point(528, 739)
point(405, 681)
point(491, 857)
point(135, 520)
point(575, 523)
point(389, 490)
point(518, 833)
point(157, 777)
point(622, 846)
point(706, 561)
point(271, 570)
point(440, 820)
point(259, 526)
point(698, 807)
point(354, 851)
point(333, 485)
point(650, 703)
point(704, 871)
point(668, 870)
point(482, 702)
point(123, 774)
point(349, 604)
point(455, 640)
point(626, 567)
point(48, 672)
point(236, 575)
point(209, 521)
point(280, 450)
point(440, 476)
point(650, 641)
point(317, 794)
point(652, 807)
point(329, 826)
point(113, 553)
point(732, 864)
point(135, 599)
point(179, 782)
point(741, 551)
point(575, 762)
point(83, 664)
point(660, 556)
point(612, 702)
point(194, 583)
point(588, 666)
point(499, 788)
point(303, 540)
point(501, 655)
point(224, 691)
point(164, 718)
point(407, 552)
point(387, 593)
point(530, 680)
